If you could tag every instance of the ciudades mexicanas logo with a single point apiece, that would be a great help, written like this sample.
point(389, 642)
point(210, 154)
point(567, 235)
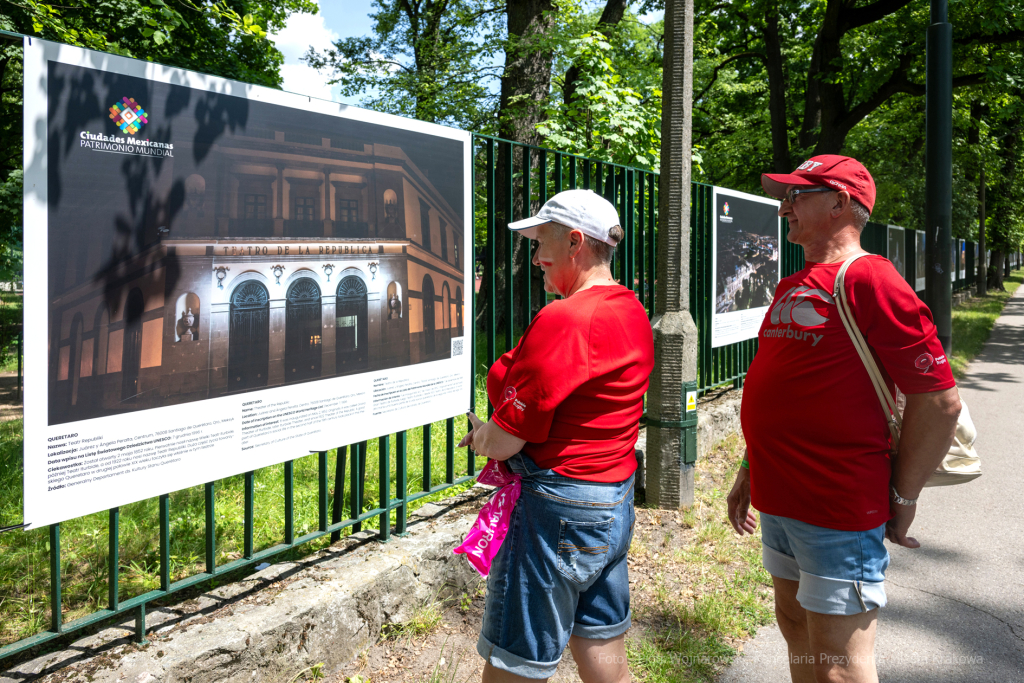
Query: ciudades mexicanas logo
point(725, 209)
point(128, 115)
point(796, 307)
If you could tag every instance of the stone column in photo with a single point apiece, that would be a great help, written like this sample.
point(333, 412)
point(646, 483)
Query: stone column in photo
point(328, 213)
point(279, 203)
point(375, 314)
point(275, 371)
point(327, 336)
point(220, 327)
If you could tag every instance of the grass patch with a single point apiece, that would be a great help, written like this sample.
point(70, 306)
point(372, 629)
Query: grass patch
point(973, 321)
point(699, 590)
point(10, 315)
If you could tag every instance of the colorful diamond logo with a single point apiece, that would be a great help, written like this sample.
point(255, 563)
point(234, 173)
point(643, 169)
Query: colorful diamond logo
point(128, 115)
point(726, 208)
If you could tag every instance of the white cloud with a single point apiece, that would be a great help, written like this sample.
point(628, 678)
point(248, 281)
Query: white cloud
point(301, 32)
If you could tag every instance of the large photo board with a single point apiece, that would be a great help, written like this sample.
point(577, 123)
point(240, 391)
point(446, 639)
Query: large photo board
point(746, 266)
point(221, 277)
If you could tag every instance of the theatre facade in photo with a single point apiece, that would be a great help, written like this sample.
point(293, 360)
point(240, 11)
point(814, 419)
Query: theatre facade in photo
point(283, 257)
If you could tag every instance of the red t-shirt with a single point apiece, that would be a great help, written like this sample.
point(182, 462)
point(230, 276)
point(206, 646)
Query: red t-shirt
point(573, 387)
point(817, 439)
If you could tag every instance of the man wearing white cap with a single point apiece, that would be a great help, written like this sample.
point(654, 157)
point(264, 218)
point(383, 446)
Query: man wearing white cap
point(568, 400)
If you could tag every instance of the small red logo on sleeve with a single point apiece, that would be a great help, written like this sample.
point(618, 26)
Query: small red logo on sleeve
point(924, 362)
point(510, 393)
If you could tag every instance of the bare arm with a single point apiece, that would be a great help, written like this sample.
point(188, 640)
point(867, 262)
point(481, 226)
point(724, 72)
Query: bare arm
point(929, 422)
point(490, 440)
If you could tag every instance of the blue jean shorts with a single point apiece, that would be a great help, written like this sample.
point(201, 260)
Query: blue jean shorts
point(560, 571)
point(840, 572)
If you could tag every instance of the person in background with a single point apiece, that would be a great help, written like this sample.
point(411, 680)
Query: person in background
point(567, 404)
point(817, 465)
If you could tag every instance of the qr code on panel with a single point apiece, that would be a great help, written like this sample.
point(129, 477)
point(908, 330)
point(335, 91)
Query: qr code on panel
point(457, 346)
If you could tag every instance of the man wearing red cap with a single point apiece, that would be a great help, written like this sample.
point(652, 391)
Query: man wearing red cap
point(818, 465)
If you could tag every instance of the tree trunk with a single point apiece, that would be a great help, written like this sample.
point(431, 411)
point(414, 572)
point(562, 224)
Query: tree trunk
point(613, 12)
point(982, 261)
point(524, 88)
point(995, 271)
point(776, 91)
point(973, 140)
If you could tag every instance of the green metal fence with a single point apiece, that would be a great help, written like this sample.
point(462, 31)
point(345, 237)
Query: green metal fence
point(498, 192)
point(875, 239)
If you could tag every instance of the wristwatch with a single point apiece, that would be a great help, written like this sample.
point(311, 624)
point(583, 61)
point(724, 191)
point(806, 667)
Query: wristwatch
point(900, 500)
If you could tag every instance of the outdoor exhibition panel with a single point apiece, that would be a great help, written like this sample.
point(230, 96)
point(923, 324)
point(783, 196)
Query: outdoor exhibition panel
point(219, 275)
point(746, 265)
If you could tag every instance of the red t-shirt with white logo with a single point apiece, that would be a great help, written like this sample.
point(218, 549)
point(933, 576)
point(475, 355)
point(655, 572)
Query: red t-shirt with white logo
point(817, 439)
point(573, 387)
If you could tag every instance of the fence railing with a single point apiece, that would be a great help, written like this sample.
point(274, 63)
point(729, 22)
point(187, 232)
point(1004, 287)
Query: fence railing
point(510, 181)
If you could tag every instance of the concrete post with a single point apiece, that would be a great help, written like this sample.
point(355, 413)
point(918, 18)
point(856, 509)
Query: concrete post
point(669, 476)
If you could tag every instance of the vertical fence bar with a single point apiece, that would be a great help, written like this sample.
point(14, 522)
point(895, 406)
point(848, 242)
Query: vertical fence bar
point(509, 289)
point(489, 256)
point(384, 495)
point(599, 178)
point(211, 529)
point(17, 396)
point(140, 625)
point(401, 483)
point(250, 510)
point(427, 472)
point(165, 542)
point(338, 503)
point(354, 498)
point(572, 172)
point(56, 624)
point(542, 189)
point(321, 500)
point(289, 502)
point(586, 174)
point(449, 454)
point(651, 242)
point(527, 212)
point(113, 559)
point(641, 241)
point(558, 172)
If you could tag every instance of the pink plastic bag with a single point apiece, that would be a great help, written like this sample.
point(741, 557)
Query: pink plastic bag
point(484, 539)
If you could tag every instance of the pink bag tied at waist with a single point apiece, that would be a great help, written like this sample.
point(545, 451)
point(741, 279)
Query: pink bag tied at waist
point(484, 539)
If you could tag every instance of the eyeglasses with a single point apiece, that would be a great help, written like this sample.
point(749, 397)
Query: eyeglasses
point(791, 195)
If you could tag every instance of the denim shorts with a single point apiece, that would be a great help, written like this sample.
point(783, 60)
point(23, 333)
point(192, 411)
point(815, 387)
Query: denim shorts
point(840, 572)
point(561, 570)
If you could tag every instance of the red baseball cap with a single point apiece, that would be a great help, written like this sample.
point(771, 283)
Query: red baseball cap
point(842, 173)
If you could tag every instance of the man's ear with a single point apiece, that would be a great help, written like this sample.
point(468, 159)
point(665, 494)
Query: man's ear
point(842, 203)
point(575, 242)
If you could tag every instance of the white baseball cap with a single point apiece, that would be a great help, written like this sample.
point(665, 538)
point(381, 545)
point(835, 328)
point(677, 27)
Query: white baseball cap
point(582, 210)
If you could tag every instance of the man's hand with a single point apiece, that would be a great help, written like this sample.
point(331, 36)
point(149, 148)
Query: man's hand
point(467, 440)
point(741, 517)
point(896, 528)
point(490, 440)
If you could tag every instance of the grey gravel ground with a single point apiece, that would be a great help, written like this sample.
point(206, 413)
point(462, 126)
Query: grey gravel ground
point(956, 605)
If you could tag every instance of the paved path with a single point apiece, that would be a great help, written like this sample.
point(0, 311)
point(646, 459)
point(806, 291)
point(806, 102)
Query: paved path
point(956, 605)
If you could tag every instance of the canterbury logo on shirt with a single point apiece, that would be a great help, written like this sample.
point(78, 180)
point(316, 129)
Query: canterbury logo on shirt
point(796, 307)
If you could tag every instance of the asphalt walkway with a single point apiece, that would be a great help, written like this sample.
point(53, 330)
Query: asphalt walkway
point(956, 605)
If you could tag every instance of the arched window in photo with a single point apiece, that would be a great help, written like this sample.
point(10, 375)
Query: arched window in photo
point(249, 337)
point(429, 343)
point(131, 354)
point(390, 207)
point(303, 347)
point(394, 301)
point(351, 334)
